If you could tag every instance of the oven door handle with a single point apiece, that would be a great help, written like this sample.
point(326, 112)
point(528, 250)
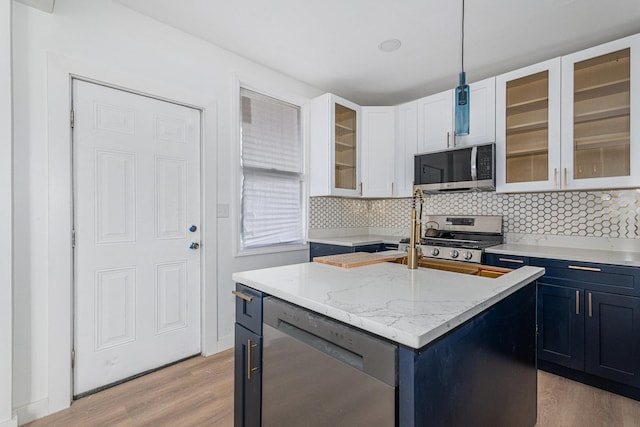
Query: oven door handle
point(474, 163)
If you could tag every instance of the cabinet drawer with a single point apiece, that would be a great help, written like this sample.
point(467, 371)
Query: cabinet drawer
point(507, 261)
point(591, 276)
point(249, 308)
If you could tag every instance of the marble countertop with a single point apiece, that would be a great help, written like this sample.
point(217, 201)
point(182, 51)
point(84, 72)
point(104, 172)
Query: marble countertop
point(357, 240)
point(410, 307)
point(603, 256)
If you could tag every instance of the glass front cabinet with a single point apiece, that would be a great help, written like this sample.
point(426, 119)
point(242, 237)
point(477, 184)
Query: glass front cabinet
point(600, 139)
point(565, 124)
point(335, 152)
point(528, 128)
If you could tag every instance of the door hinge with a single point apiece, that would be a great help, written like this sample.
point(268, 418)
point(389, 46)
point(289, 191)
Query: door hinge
point(73, 238)
point(73, 119)
point(73, 359)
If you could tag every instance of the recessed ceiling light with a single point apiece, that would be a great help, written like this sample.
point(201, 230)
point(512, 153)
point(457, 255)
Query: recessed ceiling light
point(390, 45)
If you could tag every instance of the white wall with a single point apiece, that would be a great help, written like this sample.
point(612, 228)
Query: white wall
point(115, 41)
point(6, 282)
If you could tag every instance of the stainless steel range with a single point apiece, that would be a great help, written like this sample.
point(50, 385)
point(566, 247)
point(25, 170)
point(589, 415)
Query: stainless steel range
point(458, 237)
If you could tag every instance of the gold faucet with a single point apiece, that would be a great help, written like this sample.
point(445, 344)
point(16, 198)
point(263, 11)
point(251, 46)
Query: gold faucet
point(416, 230)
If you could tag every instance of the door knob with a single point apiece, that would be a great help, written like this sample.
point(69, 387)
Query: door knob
point(193, 228)
point(194, 245)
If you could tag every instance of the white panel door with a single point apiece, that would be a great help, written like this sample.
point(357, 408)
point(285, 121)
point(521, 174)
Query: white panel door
point(137, 196)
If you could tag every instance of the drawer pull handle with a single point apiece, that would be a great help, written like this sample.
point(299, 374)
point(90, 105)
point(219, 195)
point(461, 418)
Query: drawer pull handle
point(579, 267)
point(250, 346)
point(242, 296)
point(577, 302)
point(590, 306)
point(516, 261)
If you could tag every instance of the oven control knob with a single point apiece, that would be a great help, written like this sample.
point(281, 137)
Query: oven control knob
point(468, 255)
point(435, 251)
point(454, 254)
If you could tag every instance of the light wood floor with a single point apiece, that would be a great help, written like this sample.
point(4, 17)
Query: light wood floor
point(199, 392)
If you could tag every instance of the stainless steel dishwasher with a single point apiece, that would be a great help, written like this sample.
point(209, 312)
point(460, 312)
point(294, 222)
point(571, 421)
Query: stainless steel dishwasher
point(319, 372)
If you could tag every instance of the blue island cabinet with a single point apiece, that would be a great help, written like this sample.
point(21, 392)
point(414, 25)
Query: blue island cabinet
point(482, 373)
point(248, 357)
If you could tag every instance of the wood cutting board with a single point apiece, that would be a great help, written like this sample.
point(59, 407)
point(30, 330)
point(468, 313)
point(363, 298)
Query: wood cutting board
point(354, 259)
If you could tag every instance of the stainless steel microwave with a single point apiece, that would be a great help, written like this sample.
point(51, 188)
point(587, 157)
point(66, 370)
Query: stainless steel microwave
point(459, 169)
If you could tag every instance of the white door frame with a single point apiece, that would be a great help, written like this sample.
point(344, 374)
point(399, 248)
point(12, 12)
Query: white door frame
point(60, 72)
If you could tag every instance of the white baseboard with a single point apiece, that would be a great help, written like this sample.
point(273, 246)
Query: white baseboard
point(225, 342)
point(13, 422)
point(27, 413)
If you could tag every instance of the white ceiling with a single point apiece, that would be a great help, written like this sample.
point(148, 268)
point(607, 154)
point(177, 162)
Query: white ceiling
point(333, 44)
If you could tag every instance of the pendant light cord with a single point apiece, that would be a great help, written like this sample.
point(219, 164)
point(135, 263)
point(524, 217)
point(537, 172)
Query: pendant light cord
point(462, 36)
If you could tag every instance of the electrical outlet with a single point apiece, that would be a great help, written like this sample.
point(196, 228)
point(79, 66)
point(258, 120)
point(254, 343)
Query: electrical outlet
point(223, 210)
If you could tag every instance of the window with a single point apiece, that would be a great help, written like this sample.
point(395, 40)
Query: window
point(272, 179)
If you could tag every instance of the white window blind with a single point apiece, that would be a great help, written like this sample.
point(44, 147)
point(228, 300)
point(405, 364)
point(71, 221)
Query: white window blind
point(272, 177)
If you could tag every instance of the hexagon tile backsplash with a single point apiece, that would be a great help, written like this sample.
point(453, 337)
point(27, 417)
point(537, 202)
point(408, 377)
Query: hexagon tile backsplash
point(583, 213)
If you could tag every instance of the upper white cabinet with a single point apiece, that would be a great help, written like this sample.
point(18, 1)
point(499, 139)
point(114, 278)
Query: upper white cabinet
point(567, 123)
point(528, 128)
point(482, 114)
point(436, 127)
point(435, 122)
point(335, 152)
point(600, 126)
point(378, 135)
point(406, 147)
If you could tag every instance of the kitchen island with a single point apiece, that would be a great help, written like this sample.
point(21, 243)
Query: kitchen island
point(465, 344)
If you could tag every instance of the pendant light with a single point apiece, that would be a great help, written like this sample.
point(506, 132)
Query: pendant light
point(462, 94)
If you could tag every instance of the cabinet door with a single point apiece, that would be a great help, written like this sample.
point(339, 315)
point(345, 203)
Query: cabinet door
point(561, 325)
point(335, 147)
point(528, 128)
point(600, 127)
point(247, 378)
point(406, 148)
point(435, 122)
point(346, 148)
point(482, 114)
point(612, 336)
point(378, 134)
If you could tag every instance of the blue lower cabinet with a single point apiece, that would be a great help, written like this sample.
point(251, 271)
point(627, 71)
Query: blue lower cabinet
point(612, 328)
point(247, 378)
point(561, 325)
point(324, 249)
point(588, 317)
